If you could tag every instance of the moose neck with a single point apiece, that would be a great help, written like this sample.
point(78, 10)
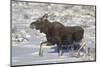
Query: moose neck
point(46, 25)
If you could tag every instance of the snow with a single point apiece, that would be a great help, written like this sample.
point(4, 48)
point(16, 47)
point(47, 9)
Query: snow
point(26, 41)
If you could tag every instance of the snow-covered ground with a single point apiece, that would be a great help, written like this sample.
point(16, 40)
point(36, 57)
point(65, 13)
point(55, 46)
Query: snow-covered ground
point(26, 42)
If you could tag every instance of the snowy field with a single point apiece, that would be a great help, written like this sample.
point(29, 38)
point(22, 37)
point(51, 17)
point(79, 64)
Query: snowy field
point(26, 42)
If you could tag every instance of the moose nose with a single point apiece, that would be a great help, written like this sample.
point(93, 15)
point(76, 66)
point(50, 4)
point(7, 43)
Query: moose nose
point(32, 26)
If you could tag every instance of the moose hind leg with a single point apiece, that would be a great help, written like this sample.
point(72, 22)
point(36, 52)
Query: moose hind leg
point(59, 49)
point(82, 44)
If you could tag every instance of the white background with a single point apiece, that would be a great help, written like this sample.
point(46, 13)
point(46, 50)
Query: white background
point(5, 33)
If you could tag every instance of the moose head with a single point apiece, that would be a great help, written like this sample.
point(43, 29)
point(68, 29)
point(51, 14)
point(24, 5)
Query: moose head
point(39, 22)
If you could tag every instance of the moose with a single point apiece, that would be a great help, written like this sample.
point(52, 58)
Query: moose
point(57, 33)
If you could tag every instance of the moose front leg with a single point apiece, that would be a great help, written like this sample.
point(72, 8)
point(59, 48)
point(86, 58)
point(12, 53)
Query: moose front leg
point(41, 47)
point(59, 49)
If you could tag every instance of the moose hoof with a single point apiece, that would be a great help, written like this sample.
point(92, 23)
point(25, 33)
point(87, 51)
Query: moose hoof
point(60, 54)
point(40, 54)
point(78, 55)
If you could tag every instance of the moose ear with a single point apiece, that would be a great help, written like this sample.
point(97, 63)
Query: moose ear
point(45, 17)
point(39, 19)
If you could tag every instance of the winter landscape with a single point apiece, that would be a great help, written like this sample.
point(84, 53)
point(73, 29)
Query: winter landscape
point(26, 41)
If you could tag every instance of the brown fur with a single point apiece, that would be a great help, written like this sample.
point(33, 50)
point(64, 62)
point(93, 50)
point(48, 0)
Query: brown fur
point(56, 33)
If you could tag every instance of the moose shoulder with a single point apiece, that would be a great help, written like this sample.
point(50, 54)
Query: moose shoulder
point(57, 33)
